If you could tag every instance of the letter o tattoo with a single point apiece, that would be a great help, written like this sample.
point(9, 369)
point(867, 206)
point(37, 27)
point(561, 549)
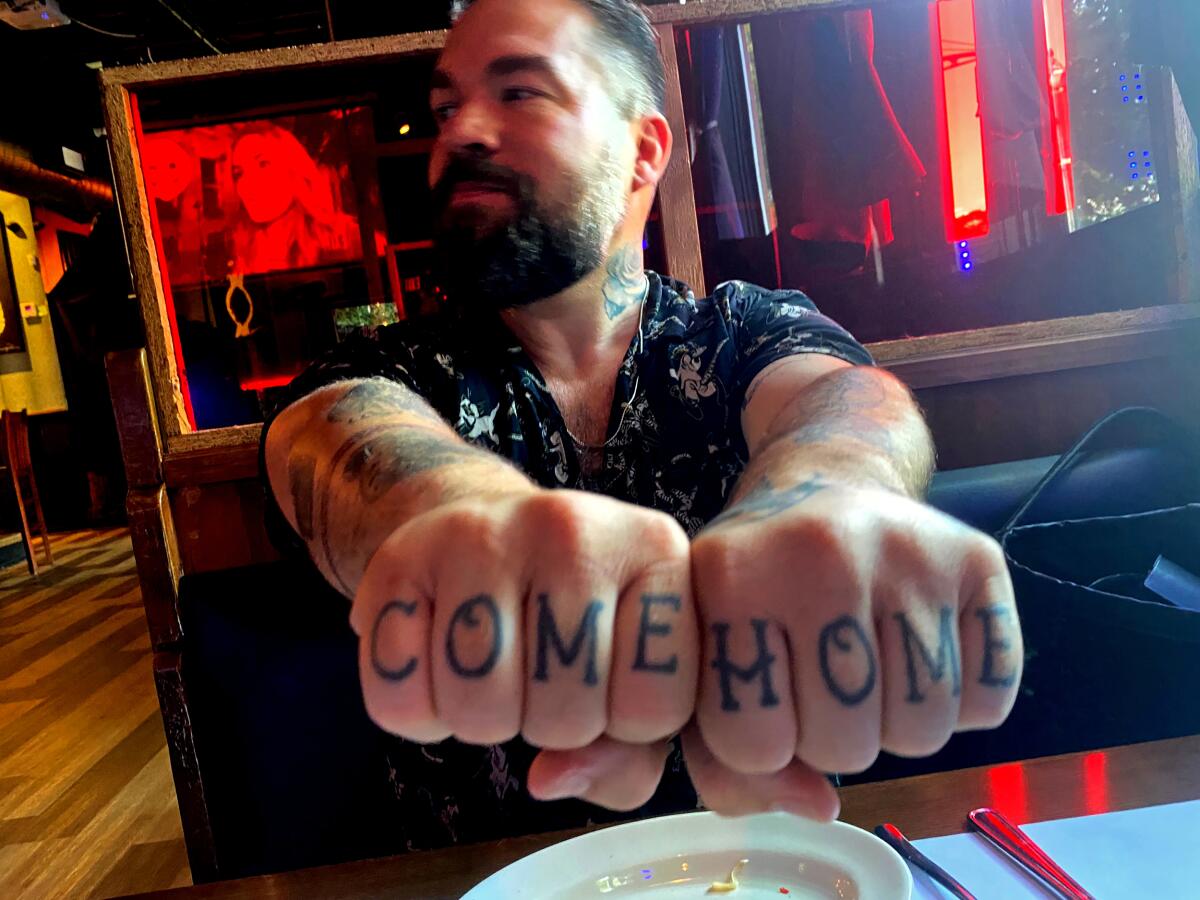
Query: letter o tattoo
point(465, 615)
point(381, 669)
point(836, 633)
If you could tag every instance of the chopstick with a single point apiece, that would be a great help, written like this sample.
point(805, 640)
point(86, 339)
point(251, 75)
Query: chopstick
point(1018, 846)
point(894, 838)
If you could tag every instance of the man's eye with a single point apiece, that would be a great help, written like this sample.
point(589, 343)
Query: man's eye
point(521, 93)
point(444, 111)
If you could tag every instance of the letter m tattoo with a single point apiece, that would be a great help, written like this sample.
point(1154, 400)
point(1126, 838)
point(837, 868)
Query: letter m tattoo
point(947, 655)
point(548, 635)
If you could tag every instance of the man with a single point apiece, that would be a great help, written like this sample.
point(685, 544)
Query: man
point(590, 510)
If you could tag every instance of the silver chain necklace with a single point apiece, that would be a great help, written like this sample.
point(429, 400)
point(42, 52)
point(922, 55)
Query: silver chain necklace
point(584, 445)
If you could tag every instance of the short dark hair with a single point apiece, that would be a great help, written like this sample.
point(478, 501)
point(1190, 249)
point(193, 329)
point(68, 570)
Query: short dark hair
point(636, 66)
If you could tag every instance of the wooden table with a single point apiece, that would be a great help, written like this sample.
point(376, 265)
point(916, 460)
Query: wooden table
point(926, 806)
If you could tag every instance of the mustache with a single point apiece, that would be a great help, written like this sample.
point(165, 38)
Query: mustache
point(465, 170)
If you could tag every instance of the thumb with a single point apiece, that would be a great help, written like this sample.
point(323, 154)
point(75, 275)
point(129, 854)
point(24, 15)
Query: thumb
point(607, 772)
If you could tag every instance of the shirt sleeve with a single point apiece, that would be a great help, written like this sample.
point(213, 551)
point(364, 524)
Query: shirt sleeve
point(772, 325)
point(391, 357)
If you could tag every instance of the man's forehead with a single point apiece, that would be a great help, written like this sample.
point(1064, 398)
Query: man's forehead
point(559, 31)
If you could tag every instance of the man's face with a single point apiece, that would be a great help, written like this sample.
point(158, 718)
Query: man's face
point(532, 167)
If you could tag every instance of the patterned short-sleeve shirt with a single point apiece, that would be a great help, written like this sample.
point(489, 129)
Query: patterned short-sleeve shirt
point(678, 447)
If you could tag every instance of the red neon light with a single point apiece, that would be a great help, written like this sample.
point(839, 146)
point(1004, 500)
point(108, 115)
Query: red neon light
point(1052, 69)
point(266, 382)
point(960, 119)
point(1007, 791)
point(1095, 783)
point(168, 298)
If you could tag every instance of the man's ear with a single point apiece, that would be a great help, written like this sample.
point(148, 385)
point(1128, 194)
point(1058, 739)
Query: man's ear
point(654, 142)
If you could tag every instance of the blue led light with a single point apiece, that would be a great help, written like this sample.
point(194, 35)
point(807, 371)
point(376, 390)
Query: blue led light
point(966, 256)
point(1141, 99)
point(1147, 165)
point(1124, 77)
point(1145, 153)
point(1125, 99)
point(1125, 88)
point(1133, 165)
point(1134, 176)
point(966, 265)
point(1132, 154)
point(1137, 74)
point(963, 244)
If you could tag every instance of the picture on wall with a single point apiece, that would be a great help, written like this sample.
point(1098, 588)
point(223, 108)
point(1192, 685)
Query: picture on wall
point(252, 197)
point(12, 332)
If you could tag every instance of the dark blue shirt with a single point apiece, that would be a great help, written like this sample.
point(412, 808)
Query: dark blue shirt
point(678, 448)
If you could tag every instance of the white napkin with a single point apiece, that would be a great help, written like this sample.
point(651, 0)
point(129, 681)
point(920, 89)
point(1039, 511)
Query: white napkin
point(1137, 854)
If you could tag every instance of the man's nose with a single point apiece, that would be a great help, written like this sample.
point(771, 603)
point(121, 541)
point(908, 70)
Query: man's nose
point(473, 131)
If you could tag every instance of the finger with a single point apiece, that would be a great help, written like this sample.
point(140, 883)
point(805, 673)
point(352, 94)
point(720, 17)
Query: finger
point(993, 653)
point(652, 692)
point(745, 709)
point(797, 788)
point(476, 644)
point(392, 617)
point(922, 675)
point(568, 650)
point(608, 773)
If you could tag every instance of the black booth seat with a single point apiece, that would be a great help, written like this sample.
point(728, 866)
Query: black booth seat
point(293, 769)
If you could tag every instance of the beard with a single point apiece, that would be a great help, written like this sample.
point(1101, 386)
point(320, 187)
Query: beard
point(535, 252)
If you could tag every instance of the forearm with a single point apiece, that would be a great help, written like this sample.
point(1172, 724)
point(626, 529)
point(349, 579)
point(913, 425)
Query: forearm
point(354, 461)
point(856, 426)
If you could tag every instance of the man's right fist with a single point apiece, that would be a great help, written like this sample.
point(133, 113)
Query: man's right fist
point(561, 616)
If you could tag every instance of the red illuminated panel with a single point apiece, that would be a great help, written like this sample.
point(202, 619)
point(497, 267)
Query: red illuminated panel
point(961, 125)
point(251, 197)
point(1007, 792)
point(267, 382)
point(1056, 147)
point(1095, 783)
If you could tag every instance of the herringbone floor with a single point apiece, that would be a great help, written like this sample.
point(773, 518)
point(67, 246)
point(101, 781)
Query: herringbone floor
point(87, 806)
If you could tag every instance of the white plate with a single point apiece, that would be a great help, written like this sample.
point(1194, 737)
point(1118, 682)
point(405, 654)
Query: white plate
point(681, 856)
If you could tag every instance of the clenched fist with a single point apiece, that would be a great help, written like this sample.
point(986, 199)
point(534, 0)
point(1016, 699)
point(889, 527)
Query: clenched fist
point(839, 620)
point(562, 616)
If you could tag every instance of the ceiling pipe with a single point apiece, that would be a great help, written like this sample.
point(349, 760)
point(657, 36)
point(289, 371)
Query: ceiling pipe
point(21, 175)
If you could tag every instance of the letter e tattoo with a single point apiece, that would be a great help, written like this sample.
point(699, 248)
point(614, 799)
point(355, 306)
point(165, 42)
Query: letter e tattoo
point(647, 628)
point(991, 643)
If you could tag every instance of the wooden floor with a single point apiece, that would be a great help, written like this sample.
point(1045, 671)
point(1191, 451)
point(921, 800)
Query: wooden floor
point(87, 806)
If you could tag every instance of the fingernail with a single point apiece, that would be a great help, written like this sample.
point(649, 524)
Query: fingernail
point(571, 786)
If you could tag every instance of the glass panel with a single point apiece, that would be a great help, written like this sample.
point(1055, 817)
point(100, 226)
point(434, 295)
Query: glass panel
point(923, 173)
point(291, 210)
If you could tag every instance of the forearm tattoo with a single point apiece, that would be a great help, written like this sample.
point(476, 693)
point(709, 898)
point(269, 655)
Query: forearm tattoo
point(302, 470)
point(765, 501)
point(378, 398)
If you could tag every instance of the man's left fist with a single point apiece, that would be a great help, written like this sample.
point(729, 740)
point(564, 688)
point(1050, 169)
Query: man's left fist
point(838, 621)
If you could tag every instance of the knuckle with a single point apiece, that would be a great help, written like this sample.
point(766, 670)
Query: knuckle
point(555, 517)
point(663, 537)
point(716, 563)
